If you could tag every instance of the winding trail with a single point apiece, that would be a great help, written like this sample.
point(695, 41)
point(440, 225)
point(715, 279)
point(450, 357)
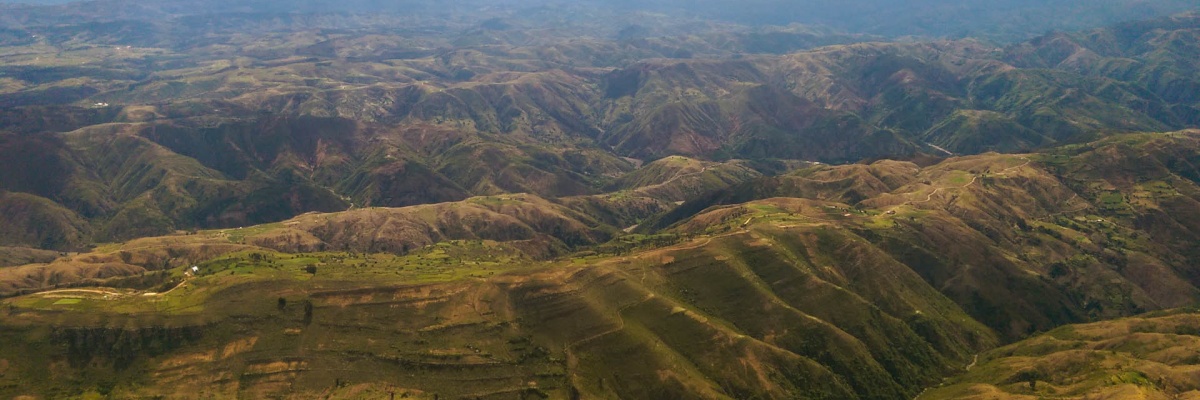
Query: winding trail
point(620, 322)
point(1085, 206)
point(155, 294)
point(707, 240)
point(939, 148)
point(974, 178)
point(930, 197)
point(93, 291)
point(968, 369)
point(573, 362)
point(1027, 161)
point(674, 178)
point(339, 195)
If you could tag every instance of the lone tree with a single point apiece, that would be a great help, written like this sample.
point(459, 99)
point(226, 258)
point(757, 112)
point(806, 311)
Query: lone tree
point(282, 303)
point(1031, 376)
point(308, 312)
point(312, 269)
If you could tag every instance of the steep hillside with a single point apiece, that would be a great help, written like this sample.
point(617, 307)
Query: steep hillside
point(871, 281)
point(679, 178)
point(470, 312)
point(1083, 232)
point(10, 256)
point(927, 89)
point(577, 200)
point(1148, 357)
point(213, 131)
point(984, 130)
point(32, 221)
point(526, 224)
point(113, 185)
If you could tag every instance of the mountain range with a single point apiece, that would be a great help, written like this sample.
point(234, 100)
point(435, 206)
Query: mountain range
point(206, 141)
point(571, 200)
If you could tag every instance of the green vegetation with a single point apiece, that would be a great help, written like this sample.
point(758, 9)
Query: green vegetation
point(464, 322)
point(435, 205)
point(862, 288)
point(1143, 357)
point(285, 123)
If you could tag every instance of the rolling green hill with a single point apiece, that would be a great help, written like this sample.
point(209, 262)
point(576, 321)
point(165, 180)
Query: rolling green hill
point(1146, 357)
point(471, 311)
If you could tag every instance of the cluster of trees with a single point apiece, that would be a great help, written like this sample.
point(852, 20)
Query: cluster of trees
point(629, 244)
point(282, 303)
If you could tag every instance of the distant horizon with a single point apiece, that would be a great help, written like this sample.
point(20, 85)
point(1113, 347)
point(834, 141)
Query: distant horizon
point(1002, 21)
point(39, 2)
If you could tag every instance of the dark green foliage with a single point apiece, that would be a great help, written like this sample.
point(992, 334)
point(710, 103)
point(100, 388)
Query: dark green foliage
point(308, 312)
point(119, 348)
point(34, 164)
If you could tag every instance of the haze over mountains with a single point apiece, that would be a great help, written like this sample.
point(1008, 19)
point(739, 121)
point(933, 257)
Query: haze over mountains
point(1005, 20)
point(328, 118)
point(520, 199)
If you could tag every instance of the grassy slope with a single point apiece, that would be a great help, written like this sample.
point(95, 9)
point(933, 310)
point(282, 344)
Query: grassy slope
point(29, 220)
point(1094, 231)
point(1147, 357)
point(10, 256)
point(678, 178)
point(774, 297)
point(483, 313)
point(536, 227)
point(892, 258)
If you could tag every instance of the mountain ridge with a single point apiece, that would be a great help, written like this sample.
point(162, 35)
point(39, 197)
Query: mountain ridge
point(536, 200)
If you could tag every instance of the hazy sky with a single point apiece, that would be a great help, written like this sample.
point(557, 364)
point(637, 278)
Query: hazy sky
point(1005, 20)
